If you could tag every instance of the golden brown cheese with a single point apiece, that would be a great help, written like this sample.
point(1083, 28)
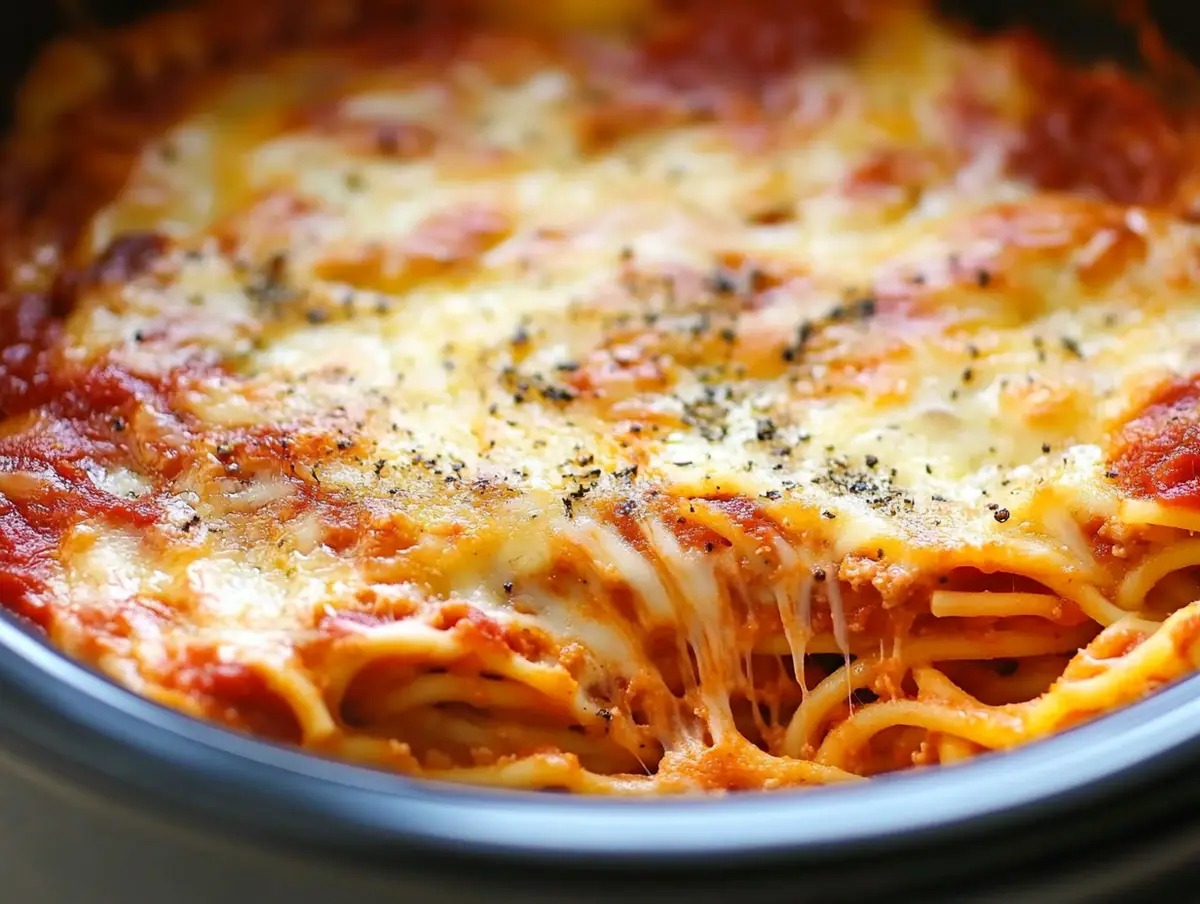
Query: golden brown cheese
point(613, 397)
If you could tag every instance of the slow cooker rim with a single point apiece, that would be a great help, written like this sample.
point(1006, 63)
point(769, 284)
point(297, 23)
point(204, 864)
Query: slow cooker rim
point(295, 798)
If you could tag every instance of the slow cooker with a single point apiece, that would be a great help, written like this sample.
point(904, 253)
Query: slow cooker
point(106, 797)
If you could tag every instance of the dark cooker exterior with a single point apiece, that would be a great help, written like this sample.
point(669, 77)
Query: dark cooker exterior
point(106, 798)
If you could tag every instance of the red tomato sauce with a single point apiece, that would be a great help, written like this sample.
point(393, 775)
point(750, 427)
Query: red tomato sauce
point(1157, 455)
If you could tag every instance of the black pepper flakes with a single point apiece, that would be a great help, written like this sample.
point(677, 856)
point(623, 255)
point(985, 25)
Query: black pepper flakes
point(508, 586)
point(865, 308)
point(872, 461)
point(818, 574)
point(723, 282)
point(804, 332)
point(558, 394)
point(1071, 346)
point(1002, 515)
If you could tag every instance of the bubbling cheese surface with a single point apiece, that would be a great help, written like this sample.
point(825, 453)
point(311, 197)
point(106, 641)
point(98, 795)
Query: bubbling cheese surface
point(491, 398)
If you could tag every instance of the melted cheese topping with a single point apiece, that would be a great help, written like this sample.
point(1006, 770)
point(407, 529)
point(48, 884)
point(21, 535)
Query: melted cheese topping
point(497, 400)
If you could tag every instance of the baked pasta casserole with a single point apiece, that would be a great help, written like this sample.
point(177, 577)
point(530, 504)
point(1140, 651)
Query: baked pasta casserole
point(644, 396)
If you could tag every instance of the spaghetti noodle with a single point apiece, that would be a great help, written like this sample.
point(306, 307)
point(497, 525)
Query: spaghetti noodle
point(611, 397)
